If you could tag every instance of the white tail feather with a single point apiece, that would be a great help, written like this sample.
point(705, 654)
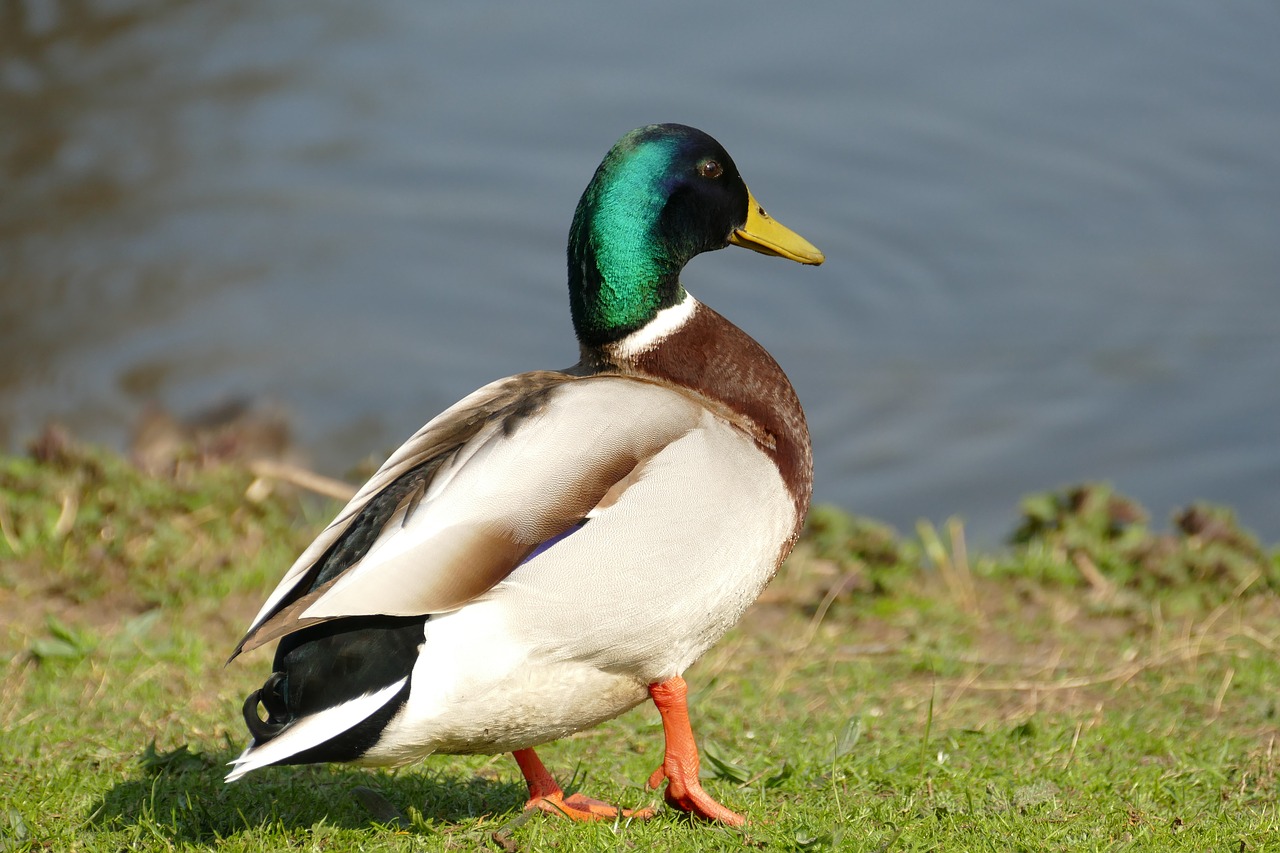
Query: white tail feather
point(313, 731)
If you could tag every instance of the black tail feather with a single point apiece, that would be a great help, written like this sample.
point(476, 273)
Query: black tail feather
point(272, 699)
point(331, 663)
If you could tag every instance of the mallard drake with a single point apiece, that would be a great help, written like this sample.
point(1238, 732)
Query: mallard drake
point(560, 545)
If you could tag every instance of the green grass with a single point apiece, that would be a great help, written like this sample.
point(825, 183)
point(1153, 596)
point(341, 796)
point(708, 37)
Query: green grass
point(1098, 686)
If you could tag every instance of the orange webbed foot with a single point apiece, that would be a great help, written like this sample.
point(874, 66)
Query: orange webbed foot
point(680, 763)
point(689, 796)
point(580, 807)
point(546, 795)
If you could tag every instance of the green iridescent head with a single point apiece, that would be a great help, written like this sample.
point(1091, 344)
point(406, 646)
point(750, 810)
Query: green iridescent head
point(663, 193)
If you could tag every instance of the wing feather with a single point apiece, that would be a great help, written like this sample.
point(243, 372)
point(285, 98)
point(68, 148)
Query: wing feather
point(518, 463)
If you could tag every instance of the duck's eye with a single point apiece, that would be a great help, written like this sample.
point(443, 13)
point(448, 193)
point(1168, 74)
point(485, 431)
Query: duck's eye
point(710, 169)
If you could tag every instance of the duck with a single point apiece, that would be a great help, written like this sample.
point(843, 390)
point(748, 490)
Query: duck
point(561, 545)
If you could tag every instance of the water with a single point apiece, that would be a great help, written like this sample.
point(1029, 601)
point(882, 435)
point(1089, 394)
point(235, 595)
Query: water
point(1051, 232)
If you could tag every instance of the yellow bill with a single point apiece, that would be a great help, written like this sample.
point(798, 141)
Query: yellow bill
point(766, 235)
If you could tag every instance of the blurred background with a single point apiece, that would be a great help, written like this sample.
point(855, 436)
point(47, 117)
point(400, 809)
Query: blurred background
point(1051, 229)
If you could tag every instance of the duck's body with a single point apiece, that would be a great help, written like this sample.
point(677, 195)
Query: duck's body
point(560, 545)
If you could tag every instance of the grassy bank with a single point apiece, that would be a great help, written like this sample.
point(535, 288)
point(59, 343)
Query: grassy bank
point(1103, 684)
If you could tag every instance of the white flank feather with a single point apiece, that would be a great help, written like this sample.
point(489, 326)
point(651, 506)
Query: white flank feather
point(313, 730)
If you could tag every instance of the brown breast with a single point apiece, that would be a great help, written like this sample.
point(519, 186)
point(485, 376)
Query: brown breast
point(714, 358)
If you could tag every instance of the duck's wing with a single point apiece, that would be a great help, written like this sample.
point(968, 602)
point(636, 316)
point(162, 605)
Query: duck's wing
point(473, 494)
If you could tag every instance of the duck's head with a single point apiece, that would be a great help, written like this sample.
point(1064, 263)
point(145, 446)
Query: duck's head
point(664, 193)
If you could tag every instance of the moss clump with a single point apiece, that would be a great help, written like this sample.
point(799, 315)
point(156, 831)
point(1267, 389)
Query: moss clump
point(862, 546)
point(1091, 526)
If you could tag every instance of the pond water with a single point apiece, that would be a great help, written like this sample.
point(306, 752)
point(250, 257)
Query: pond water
point(1051, 230)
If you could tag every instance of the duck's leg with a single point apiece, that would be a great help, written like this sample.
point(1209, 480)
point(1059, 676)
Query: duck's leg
point(546, 795)
point(680, 763)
